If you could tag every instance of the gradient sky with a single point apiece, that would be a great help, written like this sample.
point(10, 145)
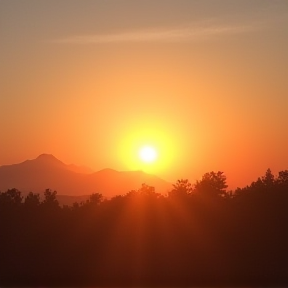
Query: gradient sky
point(90, 81)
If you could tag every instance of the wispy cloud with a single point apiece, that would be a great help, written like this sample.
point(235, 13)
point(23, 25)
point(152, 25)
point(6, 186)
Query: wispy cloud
point(190, 33)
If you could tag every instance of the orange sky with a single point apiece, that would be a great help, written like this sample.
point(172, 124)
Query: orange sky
point(90, 82)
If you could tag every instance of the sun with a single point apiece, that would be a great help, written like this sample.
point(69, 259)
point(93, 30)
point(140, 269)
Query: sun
point(148, 154)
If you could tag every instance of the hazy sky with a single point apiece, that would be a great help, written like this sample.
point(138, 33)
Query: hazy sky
point(205, 82)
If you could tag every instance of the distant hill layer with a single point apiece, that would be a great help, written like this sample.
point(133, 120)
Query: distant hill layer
point(46, 171)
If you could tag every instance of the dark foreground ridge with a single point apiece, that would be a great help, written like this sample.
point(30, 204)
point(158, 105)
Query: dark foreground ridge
point(197, 235)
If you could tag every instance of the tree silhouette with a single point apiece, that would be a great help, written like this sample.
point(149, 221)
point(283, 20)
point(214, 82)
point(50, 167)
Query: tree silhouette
point(268, 179)
point(50, 199)
point(148, 191)
point(212, 184)
point(181, 189)
point(95, 199)
point(283, 178)
point(11, 198)
point(32, 200)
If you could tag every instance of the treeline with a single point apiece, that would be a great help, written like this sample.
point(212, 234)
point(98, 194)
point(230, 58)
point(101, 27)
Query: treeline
point(198, 234)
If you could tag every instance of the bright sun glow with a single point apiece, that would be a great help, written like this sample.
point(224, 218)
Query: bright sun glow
point(149, 146)
point(148, 154)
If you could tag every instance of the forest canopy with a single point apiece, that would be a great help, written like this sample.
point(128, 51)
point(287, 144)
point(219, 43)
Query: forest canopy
point(197, 234)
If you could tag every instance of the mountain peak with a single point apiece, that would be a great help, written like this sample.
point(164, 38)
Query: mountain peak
point(46, 156)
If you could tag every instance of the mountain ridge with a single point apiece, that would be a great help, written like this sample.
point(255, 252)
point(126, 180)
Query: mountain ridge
point(46, 171)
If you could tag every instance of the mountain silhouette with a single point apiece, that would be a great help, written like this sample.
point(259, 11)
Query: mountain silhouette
point(46, 171)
